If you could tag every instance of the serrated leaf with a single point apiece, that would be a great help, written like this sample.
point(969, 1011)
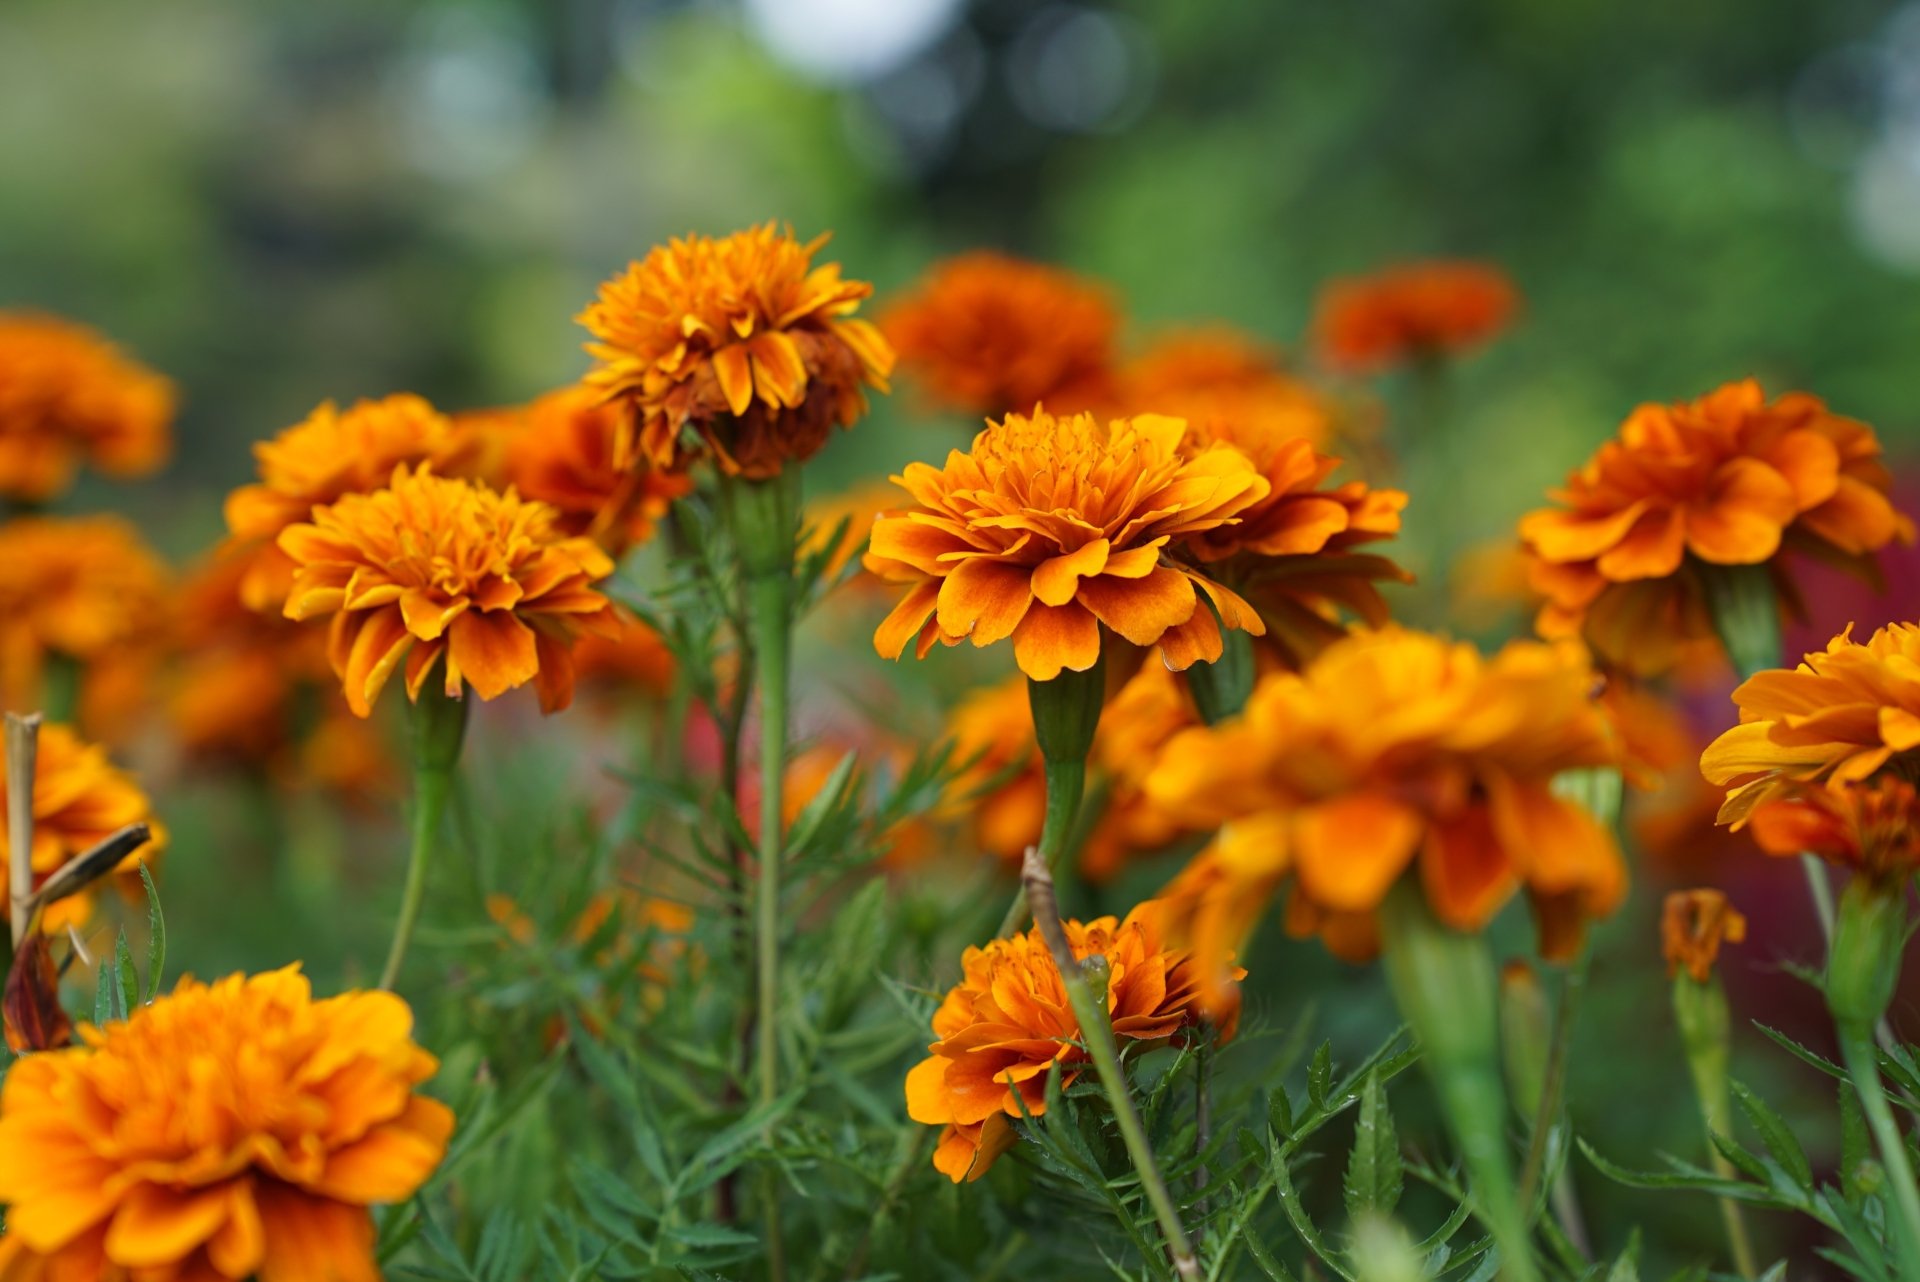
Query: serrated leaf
point(1779, 1140)
point(124, 974)
point(156, 939)
point(103, 994)
point(1739, 1155)
point(1320, 1075)
point(1280, 1113)
point(1374, 1168)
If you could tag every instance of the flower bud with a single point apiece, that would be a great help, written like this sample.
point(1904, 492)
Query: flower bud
point(1526, 1026)
point(1869, 932)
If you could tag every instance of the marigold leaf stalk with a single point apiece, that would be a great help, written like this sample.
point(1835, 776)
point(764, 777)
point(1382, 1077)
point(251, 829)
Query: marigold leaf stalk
point(439, 725)
point(1086, 984)
point(1443, 981)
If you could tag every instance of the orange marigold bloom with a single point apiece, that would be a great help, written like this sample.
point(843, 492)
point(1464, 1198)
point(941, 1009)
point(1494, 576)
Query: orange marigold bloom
point(1000, 790)
point(79, 800)
point(1693, 925)
point(740, 340)
point(564, 456)
point(1728, 479)
point(1396, 750)
point(228, 1131)
point(987, 333)
point(1003, 1026)
point(433, 566)
point(68, 396)
point(80, 589)
point(1842, 715)
point(1219, 375)
point(1293, 551)
point(1051, 529)
point(1411, 313)
point(1871, 828)
point(321, 459)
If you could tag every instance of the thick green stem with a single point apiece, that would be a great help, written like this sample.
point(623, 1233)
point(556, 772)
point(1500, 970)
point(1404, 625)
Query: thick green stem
point(1863, 1065)
point(764, 518)
point(1221, 689)
point(1443, 981)
point(438, 725)
point(1086, 984)
point(1066, 785)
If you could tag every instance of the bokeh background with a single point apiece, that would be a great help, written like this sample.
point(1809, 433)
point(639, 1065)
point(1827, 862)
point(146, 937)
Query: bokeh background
point(278, 202)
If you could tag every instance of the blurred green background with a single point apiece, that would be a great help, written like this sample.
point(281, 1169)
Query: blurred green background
point(278, 202)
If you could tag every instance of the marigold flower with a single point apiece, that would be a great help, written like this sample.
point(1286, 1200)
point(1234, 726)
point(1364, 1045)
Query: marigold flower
point(1872, 828)
point(1293, 551)
point(1841, 716)
point(1000, 790)
point(68, 396)
point(742, 341)
point(1003, 1026)
point(1395, 750)
point(564, 456)
point(433, 566)
point(326, 456)
point(1050, 529)
point(80, 589)
point(228, 1131)
point(1728, 479)
point(1219, 375)
point(1413, 312)
point(1693, 925)
point(987, 333)
point(1135, 725)
point(79, 800)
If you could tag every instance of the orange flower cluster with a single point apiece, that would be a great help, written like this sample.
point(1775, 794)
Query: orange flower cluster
point(1219, 376)
point(1840, 717)
point(85, 591)
point(228, 1131)
point(1413, 312)
point(1004, 1025)
point(562, 451)
point(987, 333)
point(79, 800)
point(1394, 750)
point(1050, 529)
point(68, 396)
point(1871, 828)
point(321, 459)
point(1693, 925)
point(433, 567)
point(741, 342)
point(856, 509)
point(1729, 479)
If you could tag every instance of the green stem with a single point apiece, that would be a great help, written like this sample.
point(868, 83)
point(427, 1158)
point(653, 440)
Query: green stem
point(1552, 1095)
point(438, 726)
point(1863, 1065)
point(1443, 982)
point(1701, 1012)
point(1202, 1116)
point(1086, 984)
point(1066, 785)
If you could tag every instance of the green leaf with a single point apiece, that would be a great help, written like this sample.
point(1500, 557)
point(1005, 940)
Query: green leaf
point(1280, 1113)
point(156, 939)
point(1264, 1260)
point(1297, 1212)
point(1779, 1140)
point(1374, 1168)
point(832, 795)
point(1738, 1154)
point(1320, 1075)
point(124, 975)
point(711, 1235)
